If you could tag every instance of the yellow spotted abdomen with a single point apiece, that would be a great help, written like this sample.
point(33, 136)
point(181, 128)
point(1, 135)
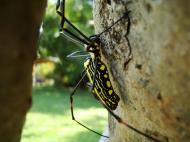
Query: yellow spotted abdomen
point(103, 87)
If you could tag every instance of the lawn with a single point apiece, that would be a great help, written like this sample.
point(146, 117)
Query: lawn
point(49, 119)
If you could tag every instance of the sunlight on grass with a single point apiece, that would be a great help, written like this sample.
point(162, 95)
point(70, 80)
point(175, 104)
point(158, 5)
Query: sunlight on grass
point(50, 121)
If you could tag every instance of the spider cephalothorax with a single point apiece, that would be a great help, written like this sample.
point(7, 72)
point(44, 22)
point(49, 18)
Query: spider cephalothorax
point(94, 46)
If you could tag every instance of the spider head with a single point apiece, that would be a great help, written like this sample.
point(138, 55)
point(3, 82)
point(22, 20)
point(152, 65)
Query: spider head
point(94, 46)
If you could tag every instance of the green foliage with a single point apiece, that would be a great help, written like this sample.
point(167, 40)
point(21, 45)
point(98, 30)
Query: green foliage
point(49, 119)
point(44, 69)
point(51, 44)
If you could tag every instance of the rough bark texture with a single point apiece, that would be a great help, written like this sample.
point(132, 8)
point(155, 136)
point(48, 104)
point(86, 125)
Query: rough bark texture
point(19, 26)
point(155, 86)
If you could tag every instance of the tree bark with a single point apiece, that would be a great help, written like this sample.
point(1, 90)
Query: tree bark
point(19, 26)
point(154, 86)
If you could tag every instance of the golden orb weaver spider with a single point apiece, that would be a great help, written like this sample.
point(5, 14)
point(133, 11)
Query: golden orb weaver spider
point(96, 70)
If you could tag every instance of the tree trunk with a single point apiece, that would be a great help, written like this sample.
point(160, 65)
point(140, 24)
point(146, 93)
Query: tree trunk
point(154, 86)
point(19, 26)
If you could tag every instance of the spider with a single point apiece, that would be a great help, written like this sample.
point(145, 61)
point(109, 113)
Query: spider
point(95, 69)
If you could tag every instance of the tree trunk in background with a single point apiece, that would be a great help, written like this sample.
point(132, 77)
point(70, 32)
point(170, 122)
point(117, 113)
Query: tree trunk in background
point(19, 29)
point(155, 86)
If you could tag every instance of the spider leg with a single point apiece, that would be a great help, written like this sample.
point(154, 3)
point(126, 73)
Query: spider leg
point(72, 106)
point(89, 85)
point(77, 30)
point(60, 8)
point(125, 15)
point(120, 120)
point(57, 5)
point(72, 36)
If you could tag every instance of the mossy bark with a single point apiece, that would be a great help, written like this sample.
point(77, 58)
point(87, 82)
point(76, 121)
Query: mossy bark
point(19, 30)
point(155, 86)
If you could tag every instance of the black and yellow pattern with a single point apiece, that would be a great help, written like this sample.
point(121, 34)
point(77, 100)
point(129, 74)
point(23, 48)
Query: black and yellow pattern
point(102, 87)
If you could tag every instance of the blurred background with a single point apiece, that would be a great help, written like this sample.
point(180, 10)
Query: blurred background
point(54, 77)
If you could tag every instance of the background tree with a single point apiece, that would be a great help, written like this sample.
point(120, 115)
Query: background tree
point(154, 86)
point(19, 26)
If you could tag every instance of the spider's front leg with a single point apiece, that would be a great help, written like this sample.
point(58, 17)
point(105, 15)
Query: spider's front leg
point(60, 9)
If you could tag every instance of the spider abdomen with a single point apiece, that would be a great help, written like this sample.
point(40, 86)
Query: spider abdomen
point(102, 86)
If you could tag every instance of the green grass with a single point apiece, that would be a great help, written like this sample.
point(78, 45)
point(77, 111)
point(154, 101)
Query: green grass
point(49, 119)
